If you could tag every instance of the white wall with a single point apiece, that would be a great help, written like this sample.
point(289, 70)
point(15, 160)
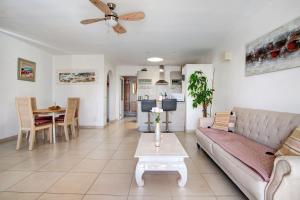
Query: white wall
point(91, 95)
point(277, 91)
point(193, 114)
point(10, 50)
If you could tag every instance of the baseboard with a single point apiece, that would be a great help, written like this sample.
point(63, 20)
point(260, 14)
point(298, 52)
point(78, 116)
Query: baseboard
point(11, 138)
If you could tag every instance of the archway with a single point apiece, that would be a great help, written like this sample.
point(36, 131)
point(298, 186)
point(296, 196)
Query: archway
point(109, 98)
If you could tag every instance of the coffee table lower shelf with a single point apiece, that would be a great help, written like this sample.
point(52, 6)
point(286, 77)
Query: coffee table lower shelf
point(161, 164)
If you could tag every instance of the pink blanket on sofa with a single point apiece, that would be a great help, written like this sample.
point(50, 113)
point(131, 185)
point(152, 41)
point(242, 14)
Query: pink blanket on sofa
point(246, 150)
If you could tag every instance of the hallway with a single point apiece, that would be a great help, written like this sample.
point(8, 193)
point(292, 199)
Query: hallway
point(100, 164)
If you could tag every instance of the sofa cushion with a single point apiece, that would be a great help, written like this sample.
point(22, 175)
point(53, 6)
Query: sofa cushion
point(240, 173)
point(291, 146)
point(43, 118)
point(60, 119)
point(247, 151)
point(266, 127)
point(40, 122)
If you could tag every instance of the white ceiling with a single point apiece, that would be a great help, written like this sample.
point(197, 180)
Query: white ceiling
point(177, 30)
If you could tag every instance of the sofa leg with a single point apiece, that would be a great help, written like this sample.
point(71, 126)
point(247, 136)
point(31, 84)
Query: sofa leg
point(198, 146)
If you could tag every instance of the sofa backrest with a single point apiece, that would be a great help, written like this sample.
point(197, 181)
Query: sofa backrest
point(266, 127)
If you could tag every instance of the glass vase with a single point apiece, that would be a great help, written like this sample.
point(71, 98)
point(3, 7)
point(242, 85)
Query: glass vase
point(157, 135)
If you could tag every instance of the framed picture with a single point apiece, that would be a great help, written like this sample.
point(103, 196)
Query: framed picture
point(76, 76)
point(26, 70)
point(277, 50)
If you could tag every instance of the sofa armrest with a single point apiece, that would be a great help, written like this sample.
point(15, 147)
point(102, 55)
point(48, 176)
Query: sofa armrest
point(285, 179)
point(205, 122)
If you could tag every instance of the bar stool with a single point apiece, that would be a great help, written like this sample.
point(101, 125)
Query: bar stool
point(146, 106)
point(168, 105)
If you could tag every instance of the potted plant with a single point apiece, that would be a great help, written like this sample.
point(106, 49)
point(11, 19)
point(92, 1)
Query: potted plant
point(200, 92)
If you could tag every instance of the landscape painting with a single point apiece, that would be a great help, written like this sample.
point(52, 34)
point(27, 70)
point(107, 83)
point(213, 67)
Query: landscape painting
point(26, 70)
point(76, 77)
point(278, 50)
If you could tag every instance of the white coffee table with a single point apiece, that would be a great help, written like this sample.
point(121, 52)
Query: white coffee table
point(168, 157)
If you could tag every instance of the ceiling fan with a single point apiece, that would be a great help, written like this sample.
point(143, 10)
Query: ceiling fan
point(112, 17)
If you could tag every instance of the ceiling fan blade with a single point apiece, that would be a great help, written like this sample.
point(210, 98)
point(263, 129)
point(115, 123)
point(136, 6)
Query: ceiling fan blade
point(135, 16)
point(102, 6)
point(89, 21)
point(119, 29)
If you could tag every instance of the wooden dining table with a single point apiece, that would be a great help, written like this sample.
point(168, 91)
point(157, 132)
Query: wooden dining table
point(54, 113)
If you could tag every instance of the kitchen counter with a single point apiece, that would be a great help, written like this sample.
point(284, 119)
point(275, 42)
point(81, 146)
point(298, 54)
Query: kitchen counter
point(177, 118)
point(160, 101)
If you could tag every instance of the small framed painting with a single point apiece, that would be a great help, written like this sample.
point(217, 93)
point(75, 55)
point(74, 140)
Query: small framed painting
point(76, 76)
point(26, 70)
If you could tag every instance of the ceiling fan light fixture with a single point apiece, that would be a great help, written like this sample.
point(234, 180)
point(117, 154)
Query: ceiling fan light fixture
point(155, 59)
point(111, 21)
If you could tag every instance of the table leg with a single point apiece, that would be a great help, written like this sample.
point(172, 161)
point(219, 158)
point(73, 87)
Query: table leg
point(182, 170)
point(53, 128)
point(139, 171)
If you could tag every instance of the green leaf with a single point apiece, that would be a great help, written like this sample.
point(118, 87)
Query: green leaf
point(198, 89)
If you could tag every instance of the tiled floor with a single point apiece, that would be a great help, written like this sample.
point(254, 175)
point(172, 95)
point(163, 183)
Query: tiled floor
point(99, 164)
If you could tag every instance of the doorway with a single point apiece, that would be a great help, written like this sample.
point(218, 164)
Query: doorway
point(130, 96)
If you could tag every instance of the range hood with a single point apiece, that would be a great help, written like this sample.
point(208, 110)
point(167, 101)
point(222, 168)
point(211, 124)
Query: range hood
point(161, 80)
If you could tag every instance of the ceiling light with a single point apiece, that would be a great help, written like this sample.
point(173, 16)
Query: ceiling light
point(155, 59)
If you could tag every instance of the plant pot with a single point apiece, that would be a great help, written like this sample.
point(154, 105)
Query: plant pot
point(157, 135)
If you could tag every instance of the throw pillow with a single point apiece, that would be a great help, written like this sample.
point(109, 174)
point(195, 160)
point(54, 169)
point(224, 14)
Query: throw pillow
point(231, 124)
point(221, 121)
point(291, 146)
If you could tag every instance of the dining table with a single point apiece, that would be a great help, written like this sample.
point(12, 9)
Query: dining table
point(53, 113)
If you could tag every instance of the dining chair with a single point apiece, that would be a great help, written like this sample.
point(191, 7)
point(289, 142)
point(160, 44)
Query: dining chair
point(33, 103)
point(68, 120)
point(28, 123)
point(34, 107)
point(76, 119)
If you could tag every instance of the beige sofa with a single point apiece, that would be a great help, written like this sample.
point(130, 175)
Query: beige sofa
point(270, 129)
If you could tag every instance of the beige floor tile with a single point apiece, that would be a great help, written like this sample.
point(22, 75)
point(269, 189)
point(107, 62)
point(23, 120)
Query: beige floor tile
point(206, 166)
point(6, 163)
point(157, 197)
point(19, 196)
point(120, 166)
point(123, 155)
point(111, 148)
point(75, 183)
point(31, 164)
point(90, 165)
point(112, 184)
point(101, 154)
point(240, 197)
point(61, 197)
point(36, 182)
point(61, 164)
point(9, 178)
point(77, 153)
point(108, 146)
point(221, 185)
point(194, 198)
point(192, 168)
point(155, 185)
point(196, 186)
point(104, 197)
point(127, 147)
